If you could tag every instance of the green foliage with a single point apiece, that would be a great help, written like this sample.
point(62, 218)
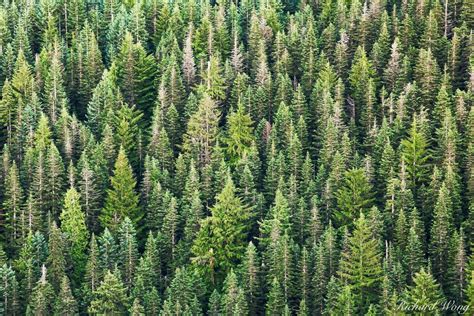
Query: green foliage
point(235, 157)
point(361, 266)
point(239, 134)
point(424, 292)
point(354, 197)
point(110, 297)
point(122, 200)
point(74, 226)
point(221, 241)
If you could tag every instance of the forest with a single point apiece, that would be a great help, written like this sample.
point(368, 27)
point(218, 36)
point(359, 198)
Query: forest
point(236, 157)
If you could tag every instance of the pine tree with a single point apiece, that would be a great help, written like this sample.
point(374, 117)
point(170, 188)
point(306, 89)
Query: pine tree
point(122, 200)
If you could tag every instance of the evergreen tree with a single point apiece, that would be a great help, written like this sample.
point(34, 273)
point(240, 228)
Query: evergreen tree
point(220, 242)
point(65, 302)
point(424, 292)
point(110, 297)
point(353, 197)
point(276, 301)
point(127, 251)
point(360, 265)
point(56, 259)
point(8, 290)
point(42, 298)
point(202, 131)
point(415, 155)
point(122, 200)
point(74, 226)
point(233, 300)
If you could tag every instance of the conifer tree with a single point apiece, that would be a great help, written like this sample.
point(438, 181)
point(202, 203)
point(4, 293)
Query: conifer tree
point(415, 155)
point(65, 302)
point(122, 200)
point(276, 301)
point(8, 290)
point(13, 196)
point(440, 246)
point(93, 271)
point(202, 131)
point(239, 137)
point(127, 251)
point(424, 292)
point(181, 294)
point(360, 265)
point(56, 259)
point(55, 181)
point(233, 300)
point(221, 240)
point(74, 226)
point(353, 197)
point(42, 298)
point(110, 297)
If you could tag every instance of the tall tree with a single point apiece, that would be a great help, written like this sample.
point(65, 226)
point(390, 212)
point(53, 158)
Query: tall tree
point(122, 200)
point(221, 240)
point(361, 265)
point(73, 224)
point(354, 197)
point(110, 297)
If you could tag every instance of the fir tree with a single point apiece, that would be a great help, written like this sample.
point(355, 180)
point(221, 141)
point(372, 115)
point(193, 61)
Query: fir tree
point(122, 200)
point(353, 197)
point(74, 226)
point(65, 302)
point(110, 297)
point(360, 265)
point(42, 298)
point(220, 242)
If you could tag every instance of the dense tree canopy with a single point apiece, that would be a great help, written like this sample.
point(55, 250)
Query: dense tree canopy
point(279, 157)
